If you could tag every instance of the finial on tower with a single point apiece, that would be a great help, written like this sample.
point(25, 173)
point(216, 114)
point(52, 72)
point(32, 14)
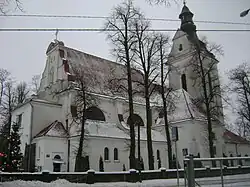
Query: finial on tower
point(184, 2)
point(56, 33)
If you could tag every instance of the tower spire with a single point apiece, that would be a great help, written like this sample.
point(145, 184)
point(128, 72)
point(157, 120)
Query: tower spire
point(186, 17)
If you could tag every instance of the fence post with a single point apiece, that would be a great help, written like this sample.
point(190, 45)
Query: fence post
point(90, 177)
point(221, 174)
point(133, 175)
point(163, 173)
point(46, 177)
point(190, 172)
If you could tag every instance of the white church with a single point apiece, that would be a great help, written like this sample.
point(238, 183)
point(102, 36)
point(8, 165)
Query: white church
point(49, 130)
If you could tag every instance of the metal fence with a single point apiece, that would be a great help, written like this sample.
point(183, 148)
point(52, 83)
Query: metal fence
point(221, 166)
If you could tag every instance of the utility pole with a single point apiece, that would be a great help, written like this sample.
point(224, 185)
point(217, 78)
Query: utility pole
point(175, 138)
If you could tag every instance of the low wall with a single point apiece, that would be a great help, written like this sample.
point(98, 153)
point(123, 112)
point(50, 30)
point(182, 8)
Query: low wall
point(91, 176)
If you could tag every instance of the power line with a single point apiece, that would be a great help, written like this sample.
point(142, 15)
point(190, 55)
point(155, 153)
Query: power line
point(106, 17)
point(107, 30)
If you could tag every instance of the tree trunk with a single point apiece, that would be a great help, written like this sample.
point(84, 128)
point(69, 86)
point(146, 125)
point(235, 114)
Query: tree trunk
point(207, 105)
point(131, 108)
point(80, 148)
point(247, 100)
point(149, 127)
point(165, 111)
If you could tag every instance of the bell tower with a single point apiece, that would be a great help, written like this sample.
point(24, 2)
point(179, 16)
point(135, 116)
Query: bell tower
point(180, 76)
point(186, 17)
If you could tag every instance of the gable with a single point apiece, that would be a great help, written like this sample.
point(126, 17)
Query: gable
point(55, 129)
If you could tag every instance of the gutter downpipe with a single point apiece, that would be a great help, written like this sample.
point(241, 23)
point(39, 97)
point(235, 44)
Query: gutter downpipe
point(31, 125)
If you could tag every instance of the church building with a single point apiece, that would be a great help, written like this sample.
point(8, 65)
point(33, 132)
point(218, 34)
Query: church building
point(50, 134)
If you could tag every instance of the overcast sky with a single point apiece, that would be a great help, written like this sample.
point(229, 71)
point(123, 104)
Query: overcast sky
point(23, 53)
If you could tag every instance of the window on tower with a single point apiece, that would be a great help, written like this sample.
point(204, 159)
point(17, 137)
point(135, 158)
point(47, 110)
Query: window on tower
point(180, 47)
point(184, 82)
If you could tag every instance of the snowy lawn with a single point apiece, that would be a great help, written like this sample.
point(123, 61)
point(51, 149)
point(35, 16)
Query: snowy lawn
point(230, 181)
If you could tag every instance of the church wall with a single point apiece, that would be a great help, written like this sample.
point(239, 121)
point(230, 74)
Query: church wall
point(94, 147)
point(237, 149)
point(192, 137)
point(25, 111)
point(44, 115)
point(49, 148)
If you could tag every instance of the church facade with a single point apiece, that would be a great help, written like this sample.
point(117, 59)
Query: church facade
point(50, 133)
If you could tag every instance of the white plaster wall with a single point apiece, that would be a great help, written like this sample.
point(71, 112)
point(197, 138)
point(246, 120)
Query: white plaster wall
point(192, 136)
point(51, 146)
point(95, 149)
point(44, 115)
point(40, 146)
point(237, 149)
point(25, 110)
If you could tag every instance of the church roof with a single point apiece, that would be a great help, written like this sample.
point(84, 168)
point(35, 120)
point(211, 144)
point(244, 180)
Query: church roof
point(104, 70)
point(184, 107)
point(185, 10)
point(111, 130)
point(231, 137)
point(181, 106)
point(55, 129)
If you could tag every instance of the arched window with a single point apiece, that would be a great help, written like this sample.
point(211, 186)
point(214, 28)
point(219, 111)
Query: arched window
point(106, 153)
point(136, 119)
point(95, 113)
point(184, 82)
point(116, 154)
point(158, 156)
point(51, 75)
point(57, 157)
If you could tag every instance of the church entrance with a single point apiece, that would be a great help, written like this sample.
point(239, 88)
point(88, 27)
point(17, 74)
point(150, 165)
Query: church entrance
point(57, 163)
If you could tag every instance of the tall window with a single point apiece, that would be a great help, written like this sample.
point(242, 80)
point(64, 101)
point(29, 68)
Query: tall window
point(158, 155)
point(184, 82)
point(106, 153)
point(39, 151)
point(19, 119)
point(51, 75)
point(115, 154)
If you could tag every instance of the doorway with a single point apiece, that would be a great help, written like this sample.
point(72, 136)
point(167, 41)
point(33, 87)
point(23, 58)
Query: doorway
point(57, 163)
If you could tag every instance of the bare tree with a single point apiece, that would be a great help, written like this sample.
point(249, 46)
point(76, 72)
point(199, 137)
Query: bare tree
point(35, 83)
point(8, 105)
point(206, 82)
point(240, 86)
point(22, 92)
point(163, 45)
point(146, 51)
point(121, 21)
point(84, 82)
point(4, 76)
point(5, 4)
point(160, 2)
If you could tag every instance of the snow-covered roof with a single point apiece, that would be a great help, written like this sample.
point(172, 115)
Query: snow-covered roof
point(111, 130)
point(180, 106)
point(184, 108)
point(55, 129)
point(37, 100)
point(230, 137)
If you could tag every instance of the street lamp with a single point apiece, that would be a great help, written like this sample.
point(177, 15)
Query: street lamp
point(244, 13)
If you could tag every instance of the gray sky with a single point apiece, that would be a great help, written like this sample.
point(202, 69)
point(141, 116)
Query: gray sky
point(23, 53)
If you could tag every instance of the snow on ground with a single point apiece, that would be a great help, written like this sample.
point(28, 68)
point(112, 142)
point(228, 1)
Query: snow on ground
point(230, 181)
